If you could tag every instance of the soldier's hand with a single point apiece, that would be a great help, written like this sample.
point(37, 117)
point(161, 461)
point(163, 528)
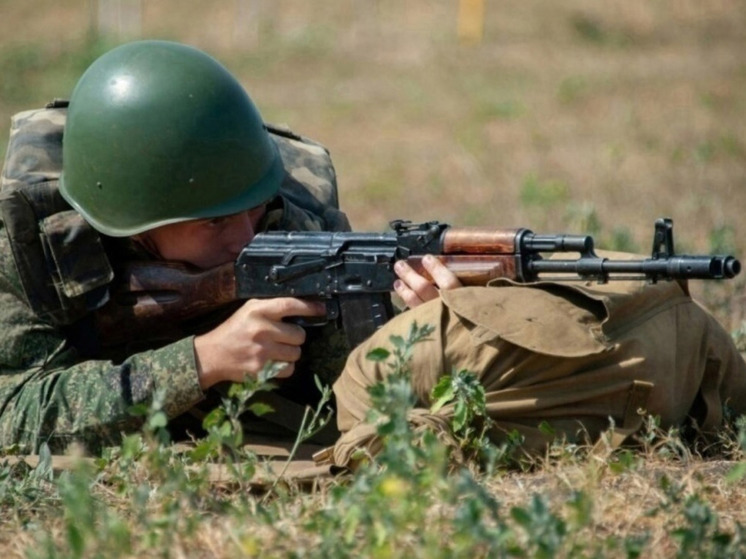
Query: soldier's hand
point(414, 289)
point(253, 336)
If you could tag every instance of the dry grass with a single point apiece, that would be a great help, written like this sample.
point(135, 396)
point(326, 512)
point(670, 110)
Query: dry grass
point(630, 503)
point(622, 111)
point(644, 498)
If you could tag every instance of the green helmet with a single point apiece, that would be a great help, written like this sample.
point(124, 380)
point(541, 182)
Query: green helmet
point(159, 132)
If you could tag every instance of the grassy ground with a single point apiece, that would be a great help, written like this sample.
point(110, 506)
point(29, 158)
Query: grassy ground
point(661, 499)
point(573, 116)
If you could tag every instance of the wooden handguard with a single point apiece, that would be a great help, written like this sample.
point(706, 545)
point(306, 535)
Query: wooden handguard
point(476, 255)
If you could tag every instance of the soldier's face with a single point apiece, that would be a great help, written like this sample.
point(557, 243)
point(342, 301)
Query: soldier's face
point(204, 243)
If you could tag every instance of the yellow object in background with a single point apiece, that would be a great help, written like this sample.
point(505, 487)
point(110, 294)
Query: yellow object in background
point(471, 20)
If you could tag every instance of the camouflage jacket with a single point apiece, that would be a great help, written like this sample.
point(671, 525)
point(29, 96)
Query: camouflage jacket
point(56, 383)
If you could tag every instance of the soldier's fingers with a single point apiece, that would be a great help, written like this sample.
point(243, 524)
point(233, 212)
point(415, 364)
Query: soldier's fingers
point(442, 276)
point(278, 352)
point(411, 277)
point(281, 354)
point(408, 295)
point(286, 371)
point(290, 334)
point(423, 288)
point(281, 307)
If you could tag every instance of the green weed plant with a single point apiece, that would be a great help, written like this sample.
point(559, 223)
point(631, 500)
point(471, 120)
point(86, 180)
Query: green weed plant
point(419, 496)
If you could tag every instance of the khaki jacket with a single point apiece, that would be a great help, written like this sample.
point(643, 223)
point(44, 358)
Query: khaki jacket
point(580, 357)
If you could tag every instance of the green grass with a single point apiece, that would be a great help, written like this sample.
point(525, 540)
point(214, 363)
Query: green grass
point(571, 116)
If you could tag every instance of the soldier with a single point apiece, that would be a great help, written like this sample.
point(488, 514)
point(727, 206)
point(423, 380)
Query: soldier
point(166, 157)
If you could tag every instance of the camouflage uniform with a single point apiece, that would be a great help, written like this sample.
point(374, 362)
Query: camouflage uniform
point(58, 382)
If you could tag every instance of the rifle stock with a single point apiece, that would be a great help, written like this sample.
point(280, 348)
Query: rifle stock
point(148, 299)
point(353, 272)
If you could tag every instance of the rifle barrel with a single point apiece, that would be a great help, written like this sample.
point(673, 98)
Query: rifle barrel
point(673, 267)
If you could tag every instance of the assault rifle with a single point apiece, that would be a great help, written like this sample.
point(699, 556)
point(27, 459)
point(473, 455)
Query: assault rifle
point(354, 272)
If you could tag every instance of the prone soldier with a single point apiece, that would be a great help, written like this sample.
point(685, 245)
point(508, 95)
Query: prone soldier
point(166, 158)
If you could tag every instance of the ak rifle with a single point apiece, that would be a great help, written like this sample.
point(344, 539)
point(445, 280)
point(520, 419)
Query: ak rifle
point(354, 272)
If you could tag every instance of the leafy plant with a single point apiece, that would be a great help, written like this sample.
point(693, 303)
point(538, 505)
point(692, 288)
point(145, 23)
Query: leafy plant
point(470, 422)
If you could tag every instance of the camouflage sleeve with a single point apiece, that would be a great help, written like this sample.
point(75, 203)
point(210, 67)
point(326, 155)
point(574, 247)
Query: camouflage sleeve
point(47, 394)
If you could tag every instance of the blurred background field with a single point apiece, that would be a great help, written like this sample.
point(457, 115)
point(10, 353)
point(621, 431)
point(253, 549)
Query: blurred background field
point(578, 116)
